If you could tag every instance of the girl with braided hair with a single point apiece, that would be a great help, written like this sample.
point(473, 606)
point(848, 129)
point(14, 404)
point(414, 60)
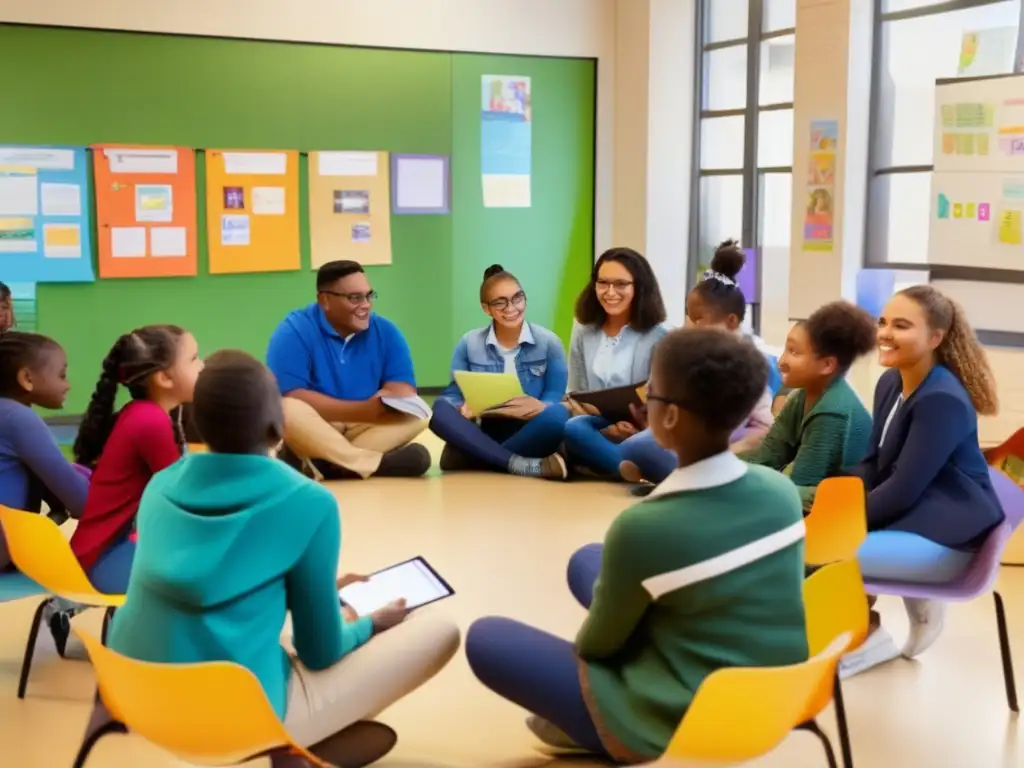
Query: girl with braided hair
point(930, 499)
point(158, 365)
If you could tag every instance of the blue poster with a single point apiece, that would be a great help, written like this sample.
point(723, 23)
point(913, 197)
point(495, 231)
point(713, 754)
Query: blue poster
point(44, 220)
point(506, 141)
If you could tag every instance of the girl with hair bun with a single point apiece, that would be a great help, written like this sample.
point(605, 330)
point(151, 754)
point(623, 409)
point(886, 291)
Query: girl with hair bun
point(930, 499)
point(523, 436)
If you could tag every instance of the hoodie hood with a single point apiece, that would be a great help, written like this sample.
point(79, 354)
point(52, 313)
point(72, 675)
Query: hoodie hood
point(215, 527)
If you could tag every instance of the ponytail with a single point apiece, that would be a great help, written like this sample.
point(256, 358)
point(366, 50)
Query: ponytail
point(99, 416)
point(959, 349)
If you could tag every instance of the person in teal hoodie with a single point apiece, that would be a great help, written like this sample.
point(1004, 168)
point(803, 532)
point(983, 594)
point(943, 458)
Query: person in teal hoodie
point(231, 541)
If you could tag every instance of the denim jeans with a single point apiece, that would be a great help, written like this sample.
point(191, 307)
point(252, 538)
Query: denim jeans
point(535, 669)
point(496, 440)
point(587, 447)
point(903, 556)
point(655, 463)
point(110, 573)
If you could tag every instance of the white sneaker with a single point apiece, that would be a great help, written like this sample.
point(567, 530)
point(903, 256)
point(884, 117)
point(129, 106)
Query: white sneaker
point(877, 649)
point(927, 618)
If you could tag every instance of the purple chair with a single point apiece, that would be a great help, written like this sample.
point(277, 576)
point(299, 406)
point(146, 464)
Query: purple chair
point(979, 577)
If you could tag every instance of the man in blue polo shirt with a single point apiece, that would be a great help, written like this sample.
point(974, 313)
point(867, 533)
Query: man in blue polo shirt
point(334, 361)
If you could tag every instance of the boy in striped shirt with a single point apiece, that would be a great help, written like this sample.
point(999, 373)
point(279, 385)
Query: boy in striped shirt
point(705, 573)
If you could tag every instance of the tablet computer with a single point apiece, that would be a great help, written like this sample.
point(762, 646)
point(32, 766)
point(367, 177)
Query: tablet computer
point(613, 403)
point(414, 579)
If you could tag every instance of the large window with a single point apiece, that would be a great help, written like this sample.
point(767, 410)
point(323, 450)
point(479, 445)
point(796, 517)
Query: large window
point(916, 43)
point(743, 181)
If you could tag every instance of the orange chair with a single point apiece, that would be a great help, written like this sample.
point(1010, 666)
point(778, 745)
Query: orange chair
point(40, 551)
point(742, 713)
point(207, 714)
point(837, 524)
point(1013, 446)
point(835, 602)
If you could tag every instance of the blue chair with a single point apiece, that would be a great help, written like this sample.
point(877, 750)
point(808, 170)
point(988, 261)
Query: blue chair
point(774, 377)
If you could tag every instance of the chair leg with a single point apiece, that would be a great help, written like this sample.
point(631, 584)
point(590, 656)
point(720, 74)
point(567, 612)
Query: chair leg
point(30, 647)
point(1004, 647)
point(100, 725)
point(108, 615)
point(813, 727)
point(843, 728)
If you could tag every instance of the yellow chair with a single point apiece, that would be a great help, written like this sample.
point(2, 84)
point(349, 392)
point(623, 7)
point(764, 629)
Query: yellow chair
point(835, 602)
point(40, 551)
point(206, 714)
point(837, 524)
point(742, 713)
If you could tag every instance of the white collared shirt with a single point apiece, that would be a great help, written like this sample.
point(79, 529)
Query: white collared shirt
point(720, 469)
point(510, 353)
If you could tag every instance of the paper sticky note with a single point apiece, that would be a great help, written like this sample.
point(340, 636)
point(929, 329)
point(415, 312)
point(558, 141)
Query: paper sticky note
point(948, 143)
point(970, 210)
point(984, 212)
point(943, 211)
point(1010, 227)
point(981, 143)
point(168, 241)
point(948, 115)
point(958, 210)
point(62, 241)
point(268, 201)
point(128, 242)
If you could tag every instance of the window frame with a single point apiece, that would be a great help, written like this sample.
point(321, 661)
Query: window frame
point(751, 172)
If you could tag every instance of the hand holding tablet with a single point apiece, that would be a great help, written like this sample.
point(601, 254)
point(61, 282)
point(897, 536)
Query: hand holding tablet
point(415, 582)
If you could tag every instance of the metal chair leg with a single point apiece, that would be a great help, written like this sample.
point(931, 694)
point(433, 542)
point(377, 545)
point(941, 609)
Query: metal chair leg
point(30, 647)
point(100, 725)
point(844, 732)
point(108, 615)
point(813, 727)
point(1004, 648)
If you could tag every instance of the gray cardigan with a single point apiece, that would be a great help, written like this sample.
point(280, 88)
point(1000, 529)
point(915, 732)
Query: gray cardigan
point(583, 347)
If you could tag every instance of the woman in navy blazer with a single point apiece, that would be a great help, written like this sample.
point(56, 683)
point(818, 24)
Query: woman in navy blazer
point(930, 502)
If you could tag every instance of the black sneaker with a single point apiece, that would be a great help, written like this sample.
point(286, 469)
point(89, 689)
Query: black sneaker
point(60, 629)
point(641, 489)
point(412, 460)
point(454, 460)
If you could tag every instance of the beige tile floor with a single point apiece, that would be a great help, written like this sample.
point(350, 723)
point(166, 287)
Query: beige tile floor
point(503, 542)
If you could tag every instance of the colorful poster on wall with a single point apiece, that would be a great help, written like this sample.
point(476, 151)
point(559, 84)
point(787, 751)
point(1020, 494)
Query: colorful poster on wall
point(506, 141)
point(987, 52)
point(252, 211)
point(145, 211)
point(820, 185)
point(44, 225)
point(349, 207)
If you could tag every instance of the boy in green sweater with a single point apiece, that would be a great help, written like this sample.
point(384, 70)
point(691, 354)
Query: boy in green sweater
point(823, 429)
point(705, 573)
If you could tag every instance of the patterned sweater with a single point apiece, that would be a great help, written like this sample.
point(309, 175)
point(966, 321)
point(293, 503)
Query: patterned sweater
point(824, 442)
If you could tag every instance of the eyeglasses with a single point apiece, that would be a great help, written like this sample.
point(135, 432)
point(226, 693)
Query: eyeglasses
point(517, 300)
point(620, 286)
point(649, 395)
point(354, 298)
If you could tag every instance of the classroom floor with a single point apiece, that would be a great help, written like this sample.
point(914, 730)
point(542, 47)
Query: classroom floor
point(503, 543)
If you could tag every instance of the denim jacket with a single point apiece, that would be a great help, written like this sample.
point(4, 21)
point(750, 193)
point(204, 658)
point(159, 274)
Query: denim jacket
point(541, 363)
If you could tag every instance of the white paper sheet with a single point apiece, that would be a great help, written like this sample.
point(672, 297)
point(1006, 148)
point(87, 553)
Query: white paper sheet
point(38, 157)
point(128, 242)
point(142, 160)
point(19, 195)
point(268, 201)
point(168, 241)
point(62, 241)
point(18, 236)
point(234, 229)
point(421, 182)
point(506, 191)
point(347, 163)
point(61, 199)
point(261, 163)
point(154, 202)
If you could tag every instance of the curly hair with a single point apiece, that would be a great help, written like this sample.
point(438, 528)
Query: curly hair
point(131, 361)
point(724, 297)
point(841, 330)
point(959, 349)
point(715, 375)
point(19, 351)
point(647, 309)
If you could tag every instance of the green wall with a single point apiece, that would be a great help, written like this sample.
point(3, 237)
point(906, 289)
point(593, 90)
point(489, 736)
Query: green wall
point(84, 87)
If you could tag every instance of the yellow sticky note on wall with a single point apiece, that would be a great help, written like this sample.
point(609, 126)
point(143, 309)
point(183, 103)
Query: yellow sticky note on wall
point(57, 235)
point(970, 210)
point(1010, 227)
point(958, 210)
point(981, 142)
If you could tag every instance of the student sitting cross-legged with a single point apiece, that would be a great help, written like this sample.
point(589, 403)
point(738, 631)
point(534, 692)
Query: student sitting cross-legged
point(930, 500)
point(823, 429)
point(231, 541)
point(620, 318)
point(335, 360)
point(523, 436)
point(705, 573)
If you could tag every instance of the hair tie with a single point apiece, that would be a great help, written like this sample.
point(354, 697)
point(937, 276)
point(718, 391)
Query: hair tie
point(710, 274)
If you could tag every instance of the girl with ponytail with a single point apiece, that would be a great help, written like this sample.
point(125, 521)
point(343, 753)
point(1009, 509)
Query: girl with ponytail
point(158, 366)
point(930, 499)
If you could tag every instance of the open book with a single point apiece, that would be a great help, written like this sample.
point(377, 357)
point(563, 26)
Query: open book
point(412, 406)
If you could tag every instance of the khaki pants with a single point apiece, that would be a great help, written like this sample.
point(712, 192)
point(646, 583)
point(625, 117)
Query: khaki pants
point(370, 679)
point(356, 447)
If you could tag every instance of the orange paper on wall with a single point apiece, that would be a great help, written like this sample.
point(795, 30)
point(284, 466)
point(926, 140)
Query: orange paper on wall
point(145, 210)
point(252, 209)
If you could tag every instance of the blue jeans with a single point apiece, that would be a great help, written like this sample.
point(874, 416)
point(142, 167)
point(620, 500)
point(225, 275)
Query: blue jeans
point(587, 447)
point(496, 440)
point(535, 669)
point(654, 462)
point(110, 573)
point(907, 557)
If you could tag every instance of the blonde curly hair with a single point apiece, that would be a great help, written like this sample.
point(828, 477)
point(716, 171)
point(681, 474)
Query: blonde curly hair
point(959, 349)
